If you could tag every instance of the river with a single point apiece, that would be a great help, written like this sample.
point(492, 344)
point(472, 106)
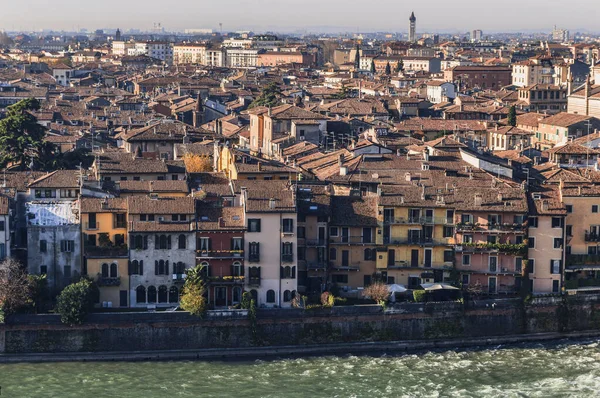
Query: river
point(563, 369)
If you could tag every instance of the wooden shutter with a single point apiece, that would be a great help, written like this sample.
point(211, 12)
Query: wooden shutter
point(129, 270)
point(169, 242)
point(167, 267)
point(155, 267)
point(141, 267)
point(294, 272)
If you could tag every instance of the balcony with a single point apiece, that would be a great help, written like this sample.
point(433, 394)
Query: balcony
point(351, 240)
point(219, 254)
point(254, 257)
point(418, 220)
point(120, 225)
point(592, 237)
point(418, 241)
point(508, 228)
point(315, 242)
point(287, 258)
point(227, 280)
point(179, 278)
point(583, 260)
point(317, 265)
point(507, 248)
point(254, 281)
point(92, 226)
point(106, 251)
point(582, 283)
point(107, 281)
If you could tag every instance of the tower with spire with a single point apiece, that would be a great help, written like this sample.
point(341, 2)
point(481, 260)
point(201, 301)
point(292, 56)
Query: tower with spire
point(118, 35)
point(412, 29)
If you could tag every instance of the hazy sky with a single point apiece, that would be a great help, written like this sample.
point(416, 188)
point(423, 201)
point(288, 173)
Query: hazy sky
point(300, 15)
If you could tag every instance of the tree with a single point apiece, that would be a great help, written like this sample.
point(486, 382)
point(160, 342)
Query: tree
point(16, 289)
point(269, 96)
point(345, 93)
point(377, 291)
point(388, 69)
point(76, 301)
point(192, 294)
point(399, 66)
point(327, 299)
point(197, 163)
point(512, 116)
point(373, 70)
point(21, 137)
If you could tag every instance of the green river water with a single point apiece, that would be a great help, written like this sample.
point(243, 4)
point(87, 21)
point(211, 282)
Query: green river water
point(564, 369)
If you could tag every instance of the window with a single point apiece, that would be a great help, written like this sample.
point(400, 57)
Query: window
point(104, 270)
point(492, 239)
point(182, 242)
point(592, 250)
point(338, 278)
point(143, 217)
point(465, 279)
point(333, 231)
point(137, 267)
point(113, 270)
point(448, 256)
point(288, 225)
point(531, 266)
point(531, 242)
point(367, 235)
point(333, 254)
point(345, 235)
point(67, 246)
point(254, 252)
point(467, 239)
point(558, 243)
point(519, 240)
point(518, 264)
point(43, 269)
point(594, 208)
point(466, 259)
point(301, 231)
point(493, 263)
point(162, 242)
point(287, 251)
point(161, 267)
point(555, 266)
point(369, 254)
point(140, 295)
point(533, 222)
point(2, 226)
point(448, 232)
point(466, 219)
point(270, 296)
point(569, 208)
point(43, 246)
point(556, 222)
point(151, 295)
point(254, 225)
point(555, 286)
point(204, 244)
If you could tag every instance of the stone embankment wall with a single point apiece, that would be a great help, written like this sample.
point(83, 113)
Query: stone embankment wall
point(118, 332)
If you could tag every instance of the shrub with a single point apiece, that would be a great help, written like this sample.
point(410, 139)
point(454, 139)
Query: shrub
point(192, 294)
point(76, 301)
point(419, 295)
point(15, 287)
point(327, 299)
point(377, 291)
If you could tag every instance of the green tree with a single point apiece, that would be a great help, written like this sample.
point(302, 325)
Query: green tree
point(512, 116)
point(76, 301)
point(388, 69)
point(192, 294)
point(269, 96)
point(15, 287)
point(21, 137)
point(357, 58)
point(373, 70)
point(399, 66)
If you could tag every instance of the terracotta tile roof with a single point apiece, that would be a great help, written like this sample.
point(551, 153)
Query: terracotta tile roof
point(129, 186)
point(57, 179)
point(354, 211)
point(564, 119)
point(146, 205)
point(260, 193)
point(100, 205)
point(221, 218)
point(546, 203)
point(157, 226)
point(211, 184)
point(116, 162)
point(571, 148)
point(156, 132)
point(20, 180)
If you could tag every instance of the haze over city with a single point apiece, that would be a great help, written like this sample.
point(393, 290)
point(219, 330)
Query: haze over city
point(306, 16)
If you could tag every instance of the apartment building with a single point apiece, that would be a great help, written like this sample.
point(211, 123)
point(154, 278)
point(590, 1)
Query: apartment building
point(189, 53)
point(482, 77)
point(543, 98)
point(162, 246)
point(105, 251)
point(271, 241)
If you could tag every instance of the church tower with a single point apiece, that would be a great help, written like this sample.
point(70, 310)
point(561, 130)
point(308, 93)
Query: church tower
point(412, 30)
point(118, 35)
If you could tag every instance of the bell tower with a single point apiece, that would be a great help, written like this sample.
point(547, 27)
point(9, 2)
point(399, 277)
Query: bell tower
point(412, 29)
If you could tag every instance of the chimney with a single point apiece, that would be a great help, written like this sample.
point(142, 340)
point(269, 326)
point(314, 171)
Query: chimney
point(500, 197)
point(478, 199)
point(422, 192)
point(221, 222)
point(340, 160)
point(544, 205)
point(272, 203)
point(258, 166)
point(343, 170)
point(407, 177)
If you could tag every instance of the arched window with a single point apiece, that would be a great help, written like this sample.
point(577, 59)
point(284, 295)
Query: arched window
point(238, 269)
point(205, 268)
point(237, 294)
point(151, 294)
point(140, 294)
point(270, 296)
point(162, 294)
point(173, 294)
point(105, 270)
point(254, 295)
point(113, 270)
point(287, 296)
point(182, 241)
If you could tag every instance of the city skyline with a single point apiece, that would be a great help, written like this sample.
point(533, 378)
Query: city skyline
point(509, 16)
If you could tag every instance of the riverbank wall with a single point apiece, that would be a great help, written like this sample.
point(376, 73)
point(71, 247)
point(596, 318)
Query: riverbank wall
point(233, 331)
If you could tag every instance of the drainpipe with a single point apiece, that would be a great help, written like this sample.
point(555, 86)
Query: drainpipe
point(280, 264)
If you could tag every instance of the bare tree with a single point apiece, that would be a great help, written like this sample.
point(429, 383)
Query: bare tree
point(15, 287)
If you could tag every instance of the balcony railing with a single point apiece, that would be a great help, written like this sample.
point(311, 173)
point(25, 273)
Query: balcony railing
point(108, 281)
point(179, 278)
point(421, 241)
point(315, 242)
point(254, 281)
point(220, 253)
point(108, 251)
point(287, 258)
point(351, 240)
point(592, 237)
point(234, 280)
point(254, 257)
point(583, 259)
point(418, 220)
point(494, 227)
point(120, 224)
point(581, 283)
point(318, 265)
point(508, 248)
